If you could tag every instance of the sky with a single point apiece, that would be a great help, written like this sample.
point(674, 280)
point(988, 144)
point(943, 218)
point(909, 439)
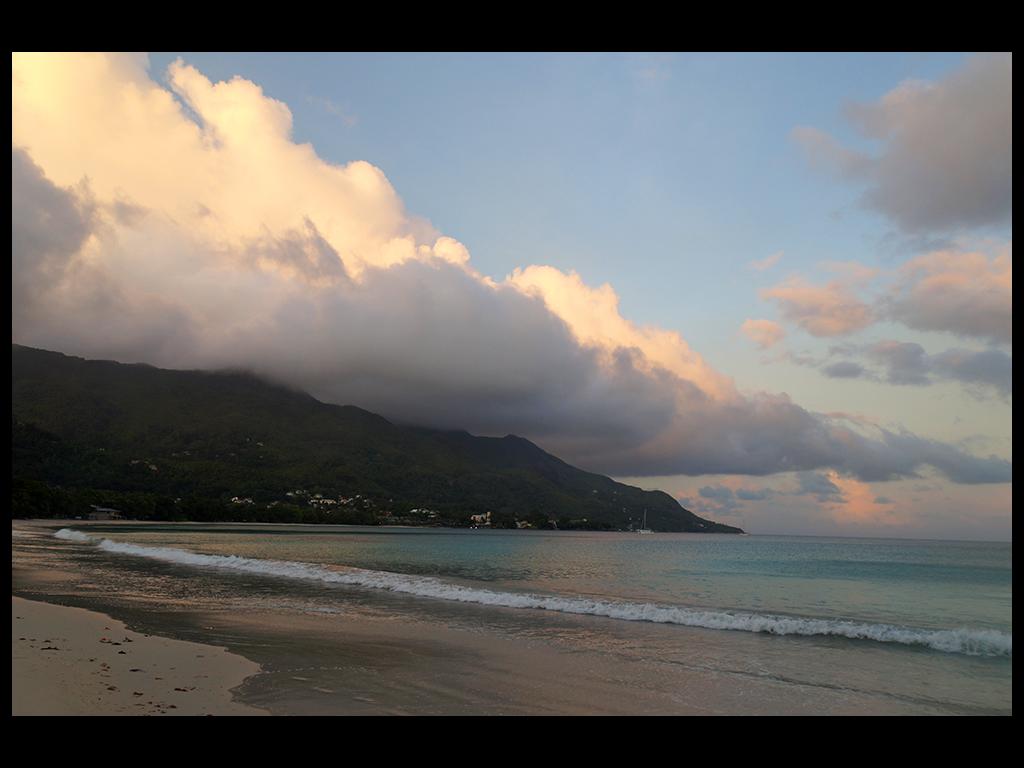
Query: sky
point(777, 287)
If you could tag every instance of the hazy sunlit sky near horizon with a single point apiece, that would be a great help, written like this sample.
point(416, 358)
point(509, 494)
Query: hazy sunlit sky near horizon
point(775, 286)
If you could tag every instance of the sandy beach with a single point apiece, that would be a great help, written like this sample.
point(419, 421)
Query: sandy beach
point(258, 643)
point(70, 661)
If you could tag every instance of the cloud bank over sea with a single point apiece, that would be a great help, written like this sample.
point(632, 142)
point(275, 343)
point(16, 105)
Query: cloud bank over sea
point(177, 222)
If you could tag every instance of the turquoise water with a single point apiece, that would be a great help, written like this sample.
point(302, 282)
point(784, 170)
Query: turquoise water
point(924, 622)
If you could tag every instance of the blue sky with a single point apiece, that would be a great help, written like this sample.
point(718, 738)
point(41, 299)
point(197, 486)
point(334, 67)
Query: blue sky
point(665, 176)
point(583, 161)
point(658, 173)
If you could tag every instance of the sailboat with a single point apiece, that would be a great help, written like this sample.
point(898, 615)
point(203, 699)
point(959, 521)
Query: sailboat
point(645, 529)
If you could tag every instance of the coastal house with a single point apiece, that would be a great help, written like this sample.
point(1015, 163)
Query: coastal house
point(104, 513)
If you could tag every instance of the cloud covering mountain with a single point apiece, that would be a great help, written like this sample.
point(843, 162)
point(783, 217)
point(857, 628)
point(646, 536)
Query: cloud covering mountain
point(181, 225)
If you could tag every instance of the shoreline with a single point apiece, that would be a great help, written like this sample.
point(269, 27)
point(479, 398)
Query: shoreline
point(71, 521)
point(348, 651)
point(73, 661)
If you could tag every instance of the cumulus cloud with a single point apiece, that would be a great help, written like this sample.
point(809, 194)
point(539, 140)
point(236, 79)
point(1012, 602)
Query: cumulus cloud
point(593, 315)
point(946, 154)
point(969, 294)
point(236, 247)
point(764, 333)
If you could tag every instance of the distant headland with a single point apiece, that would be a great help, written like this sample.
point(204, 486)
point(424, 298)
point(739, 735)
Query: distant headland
point(107, 439)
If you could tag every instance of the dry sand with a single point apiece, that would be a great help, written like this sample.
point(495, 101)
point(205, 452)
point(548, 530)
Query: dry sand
point(69, 661)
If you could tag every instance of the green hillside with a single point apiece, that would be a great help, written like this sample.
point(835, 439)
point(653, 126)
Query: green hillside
point(182, 444)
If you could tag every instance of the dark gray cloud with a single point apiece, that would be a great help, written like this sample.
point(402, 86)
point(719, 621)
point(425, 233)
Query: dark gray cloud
point(984, 373)
point(767, 434)
point(305, 251)
point(66, 303)
point(947, 149)
point(716, 500)
point(722, 501)
point(844, 370)
point(957, 465)
point(819, 486)
point(760, 494)
point(904, 362)
point(422, 342)
point(49, 225)
point(988, 368)
point(717, 492)
point(127, 213)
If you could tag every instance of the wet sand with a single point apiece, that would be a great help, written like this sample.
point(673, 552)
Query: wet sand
point(70, 661)
point(334, 665)
point(347, 663)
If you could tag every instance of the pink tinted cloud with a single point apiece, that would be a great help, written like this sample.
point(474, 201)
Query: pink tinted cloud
point(821, 310)
point(967, 294)
point(764, 333)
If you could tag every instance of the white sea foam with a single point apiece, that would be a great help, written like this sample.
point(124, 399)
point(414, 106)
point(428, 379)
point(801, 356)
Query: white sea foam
point(72, 535)
point(972, 642)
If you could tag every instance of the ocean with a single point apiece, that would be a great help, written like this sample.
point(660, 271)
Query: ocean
point(619, 623)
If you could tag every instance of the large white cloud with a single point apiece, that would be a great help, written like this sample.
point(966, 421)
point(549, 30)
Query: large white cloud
point(205, 237)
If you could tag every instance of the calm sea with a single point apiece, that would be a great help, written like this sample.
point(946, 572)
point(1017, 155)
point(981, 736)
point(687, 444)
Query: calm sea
point(865, 625)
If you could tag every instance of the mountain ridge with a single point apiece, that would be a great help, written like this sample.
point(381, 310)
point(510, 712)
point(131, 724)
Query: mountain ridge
point(160, 436)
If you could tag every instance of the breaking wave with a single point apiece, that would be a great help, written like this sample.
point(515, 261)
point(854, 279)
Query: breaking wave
point(972, 642)
point(71, 535)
